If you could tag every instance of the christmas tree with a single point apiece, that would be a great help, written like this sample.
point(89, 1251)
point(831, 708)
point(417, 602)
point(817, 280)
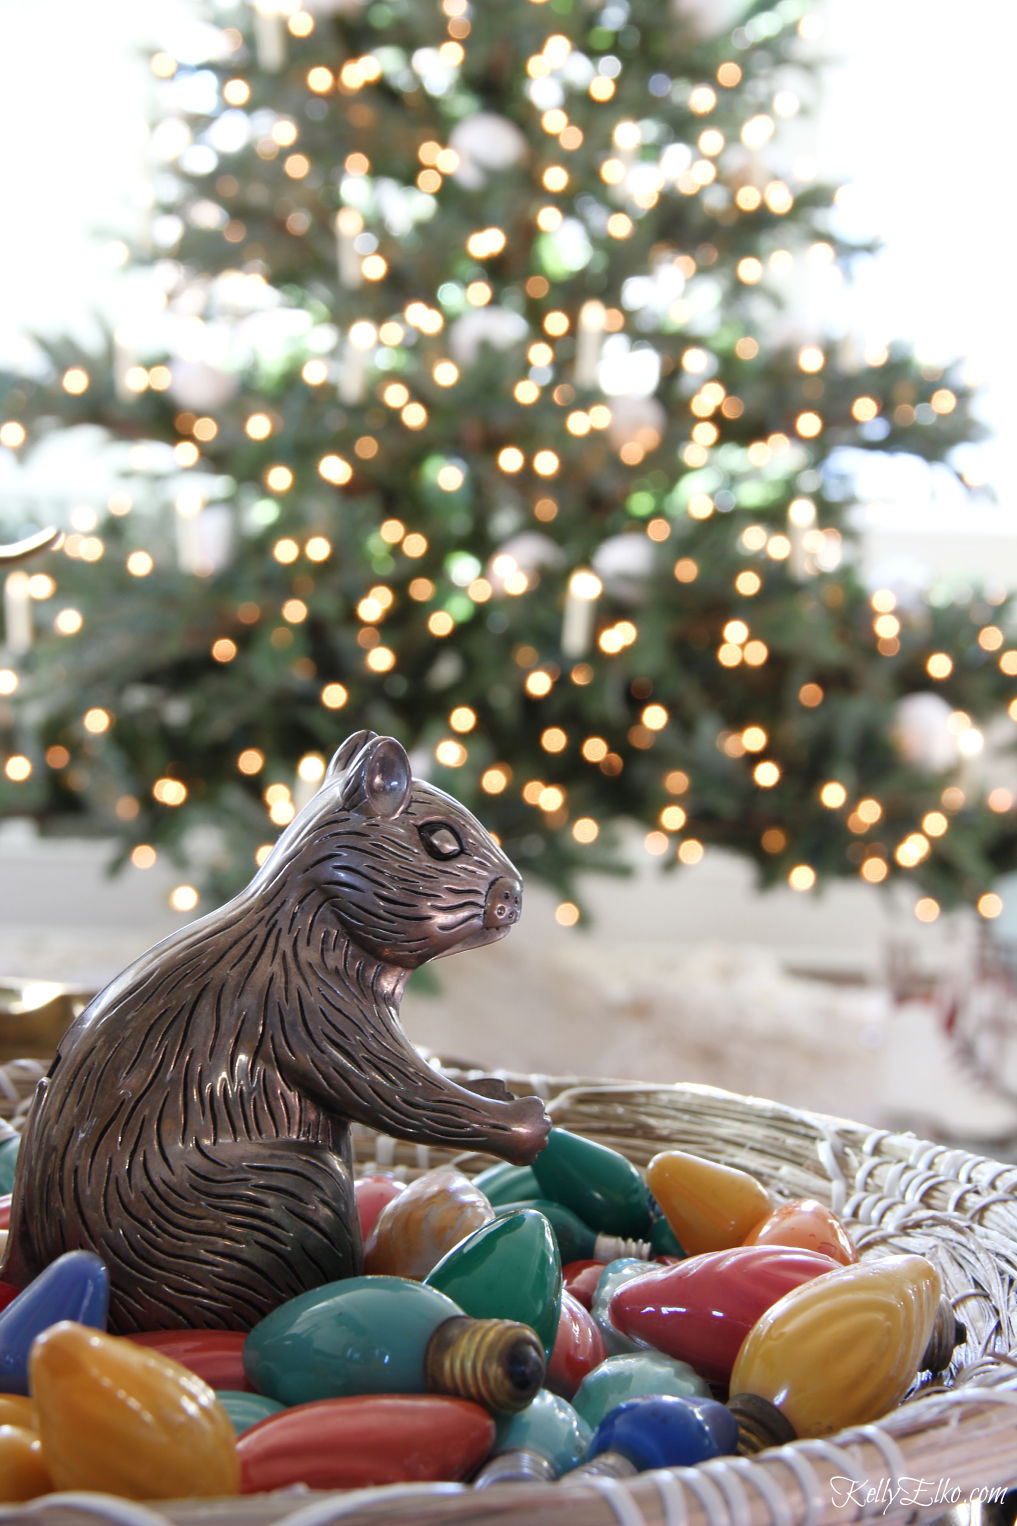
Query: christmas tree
point(483, 402)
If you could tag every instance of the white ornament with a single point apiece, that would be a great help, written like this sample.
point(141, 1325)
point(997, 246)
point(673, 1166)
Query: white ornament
point(497, 326)
point(922, 732)
point(630, 416)
point(532, 551)
point(201, 387)
point(205, 539)
point(269, 39)
point(623, 563)
point(709, 17)
point(486, 144)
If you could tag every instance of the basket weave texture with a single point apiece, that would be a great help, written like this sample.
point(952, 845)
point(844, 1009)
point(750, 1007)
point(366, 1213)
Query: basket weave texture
point(951, 1441)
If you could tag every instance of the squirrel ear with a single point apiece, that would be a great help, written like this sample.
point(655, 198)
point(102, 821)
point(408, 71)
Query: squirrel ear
point(382, 780)
point(346, 752)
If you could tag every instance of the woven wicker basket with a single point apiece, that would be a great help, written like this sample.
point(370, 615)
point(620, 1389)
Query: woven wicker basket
point(949, 1443)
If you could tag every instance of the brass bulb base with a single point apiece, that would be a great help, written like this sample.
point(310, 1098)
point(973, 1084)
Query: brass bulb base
point(760, 1424)
point(499, 1363)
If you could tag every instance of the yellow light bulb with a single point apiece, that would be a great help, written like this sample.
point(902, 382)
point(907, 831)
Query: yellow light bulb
point(844, 1348)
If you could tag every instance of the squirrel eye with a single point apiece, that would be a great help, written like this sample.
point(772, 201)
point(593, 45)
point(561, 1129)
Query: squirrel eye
point(440, 840)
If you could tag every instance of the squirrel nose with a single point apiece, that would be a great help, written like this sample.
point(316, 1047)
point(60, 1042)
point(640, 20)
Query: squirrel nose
point(504, 902)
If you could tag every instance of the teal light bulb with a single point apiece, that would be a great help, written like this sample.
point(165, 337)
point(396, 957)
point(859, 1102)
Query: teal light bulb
point(361, 1335)
point(542, 1441)
point(246, 1409)
point(597, 1183)
point(8, 1160)
point(508, 1269)
point(628, 1377)
point(615, 1273)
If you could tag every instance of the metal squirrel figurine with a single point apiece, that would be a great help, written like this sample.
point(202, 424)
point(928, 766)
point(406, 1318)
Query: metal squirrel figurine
point(194, 1128)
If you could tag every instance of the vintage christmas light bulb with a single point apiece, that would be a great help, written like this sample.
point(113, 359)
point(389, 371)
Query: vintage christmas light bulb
point(700, 1310)
point(614, 1277)
point(658, 1431)
point(378, 1334)
point(245, 1408)
point(499, 1363)
point(23, 1471)
point(372, 1192)
point(505, 1183)
point(365, 1442)
point(74, 1287)
point(118, 1418)
point(631, 1374)
point(576, 1240)
point(709, 1206)
point(844, 1348)
point(806, 1223)
point(578, 1348)
point(415, 1229)
point(507, 1269)
point(594, 1181)
point(537, 1444)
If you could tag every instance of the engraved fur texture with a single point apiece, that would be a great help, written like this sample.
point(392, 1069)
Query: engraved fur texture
point(194, 1127)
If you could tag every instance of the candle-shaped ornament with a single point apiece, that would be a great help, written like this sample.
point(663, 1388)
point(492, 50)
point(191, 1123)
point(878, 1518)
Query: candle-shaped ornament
point(352, 385)
point(269, 36)
point(801, 517)
point(17, 612)
point(310, 772)
point(124, 362)
point(589, 342)
point(348, 225)
point(584, 590)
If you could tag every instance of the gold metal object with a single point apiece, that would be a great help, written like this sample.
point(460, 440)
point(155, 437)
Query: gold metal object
point(35, 1015)
point(499, 1363)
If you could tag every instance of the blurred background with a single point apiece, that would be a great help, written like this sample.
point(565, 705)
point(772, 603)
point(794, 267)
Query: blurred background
point(187, 272)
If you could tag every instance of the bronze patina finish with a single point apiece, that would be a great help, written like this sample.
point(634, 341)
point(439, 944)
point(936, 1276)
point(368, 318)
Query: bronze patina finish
point(194, 1128)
